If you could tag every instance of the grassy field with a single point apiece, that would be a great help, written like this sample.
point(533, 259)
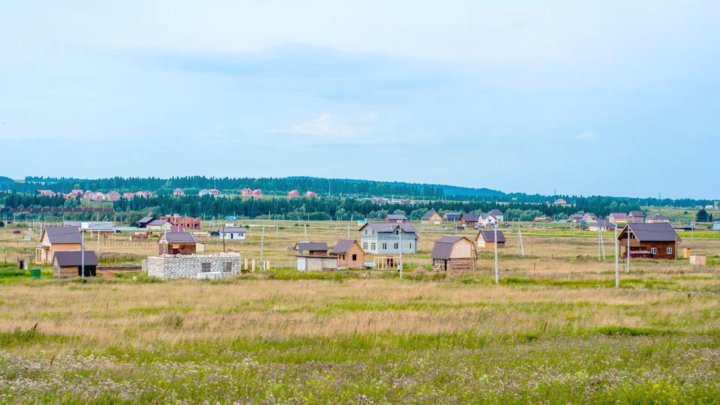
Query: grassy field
point(554, 330)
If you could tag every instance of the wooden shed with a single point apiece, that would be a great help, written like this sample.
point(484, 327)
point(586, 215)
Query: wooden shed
point(69, 264)
point(486, 239)
point(349, 254)
point(177, 243)
point(454, 253)
point(56, 239)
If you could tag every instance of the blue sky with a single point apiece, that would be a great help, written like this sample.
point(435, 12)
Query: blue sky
point(612, 98)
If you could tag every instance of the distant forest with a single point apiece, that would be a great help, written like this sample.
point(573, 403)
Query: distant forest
point(329, 207)
point(328, 187)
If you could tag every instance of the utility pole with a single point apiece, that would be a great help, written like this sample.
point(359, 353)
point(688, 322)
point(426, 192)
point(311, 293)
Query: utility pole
point(497, 270)
point(400, 268)
point(521, 248)
point(222, 235)
point(83, 227)
point(262, 247)
point(617, 260)
point(627, 266)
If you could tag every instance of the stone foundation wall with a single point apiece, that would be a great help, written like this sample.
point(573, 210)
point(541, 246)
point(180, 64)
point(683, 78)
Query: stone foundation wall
point(169, 267)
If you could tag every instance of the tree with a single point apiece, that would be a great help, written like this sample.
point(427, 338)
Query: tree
point(701, 216)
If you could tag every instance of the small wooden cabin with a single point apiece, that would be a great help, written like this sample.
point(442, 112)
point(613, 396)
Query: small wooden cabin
point(486, 240)
point(349, 254)
point(431, 217)
point(454, 253)
point(649, 240)
point(69, 264)
point(57, 239)
point(177, 243)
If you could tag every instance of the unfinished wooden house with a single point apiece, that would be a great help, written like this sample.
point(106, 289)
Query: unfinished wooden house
point(349, 254)
point(314, 256)
point(486, 239)
point(70, 264)
point(57, 239)
point(454, 253)
point(177, 243)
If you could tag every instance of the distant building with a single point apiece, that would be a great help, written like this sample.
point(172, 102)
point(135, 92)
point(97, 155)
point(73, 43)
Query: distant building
point(178, 192)
point(602, 225)
point(452, 216)
point(650, 241)
point(543, 218)
point(636, 217)
point(47, 193)
point(618, 218)
point(232, 233)
point(561, 202)
point(112, 196)
point(313, 256)
point(177, 243)
point(145, 221)
point(70, 264)
point(471, 219)
point(211, 192)
point(128, 196)
point(396, 218)
point(293, 194)
point(495, 215)
point(143, 194)
point(716, 226)
point(257, 193)
point(657, 218)
point(185, 222)
point(454, 253)
point(385, 238)
point(310, 194)
point(431, 217)
point(57, 239)
point(349, 254)
point(159, 225)
point(486, 239)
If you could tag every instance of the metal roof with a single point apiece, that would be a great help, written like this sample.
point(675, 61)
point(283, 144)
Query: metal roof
point(442, 248)
point(343, 245)
point(311, 246)
point(232, 229)
point(63, 234)
point(71, 259)
point(395, 216)
point(429, 214)
point(179, 237)
point(651, 232)
point(384, 227)
point(489, 236)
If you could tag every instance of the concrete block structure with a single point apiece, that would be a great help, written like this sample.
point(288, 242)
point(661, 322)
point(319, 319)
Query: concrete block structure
point(169, 267)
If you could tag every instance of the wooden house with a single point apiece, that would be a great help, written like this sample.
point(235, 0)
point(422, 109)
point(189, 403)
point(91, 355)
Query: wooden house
point(649, 241)
point(656, 218)
point(471, 220)
point(313, 256)
point(602, 225)
point(636, 217)
point(349, 254)
point(618, 218)
point(69, 264)
point(431, 217)
point(452, 216)
point(159, 225)
point(454, 253)
point(486, 239)
point(177, 243)
point(57, 239)
point(495, 216)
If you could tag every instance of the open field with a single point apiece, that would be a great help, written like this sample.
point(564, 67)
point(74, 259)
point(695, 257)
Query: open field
point(554, 330)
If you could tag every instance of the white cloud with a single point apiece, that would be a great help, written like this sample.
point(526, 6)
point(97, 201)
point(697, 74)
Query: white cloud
point(339, 129)
point(586, 136)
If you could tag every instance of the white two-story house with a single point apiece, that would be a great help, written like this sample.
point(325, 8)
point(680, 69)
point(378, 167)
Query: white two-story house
point(388, 238)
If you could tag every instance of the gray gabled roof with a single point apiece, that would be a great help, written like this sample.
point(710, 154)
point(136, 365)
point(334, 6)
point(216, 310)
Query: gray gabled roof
point(396, 217)
point(146, 220)
point(343, 245)
point(157, 222)
point(495, 212)
point(442, 248)
point(63, 234)
point(658, 217)
point(654, 232)
point(429, 215)
point(384, 227)
point(311, 246)
point(179, 237)
point(72, 259)
point(232, 229)
point(472, 217)
point(489, 236)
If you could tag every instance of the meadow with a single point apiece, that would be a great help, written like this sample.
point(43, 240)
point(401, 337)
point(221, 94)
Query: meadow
point(554, 330)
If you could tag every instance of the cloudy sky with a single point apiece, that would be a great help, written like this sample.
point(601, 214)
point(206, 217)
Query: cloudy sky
point(615, 98)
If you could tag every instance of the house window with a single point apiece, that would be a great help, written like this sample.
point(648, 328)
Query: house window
point(354, 257)
point(206, 267)
point(372, 246)
point(653, 251)
point(669, 251)
point(227, 267)
point(364, 245)
point(384, 246)
point(397, 245)
point(397, 232)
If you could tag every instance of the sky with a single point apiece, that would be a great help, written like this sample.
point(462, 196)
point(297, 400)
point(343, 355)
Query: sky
point(587, 98)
